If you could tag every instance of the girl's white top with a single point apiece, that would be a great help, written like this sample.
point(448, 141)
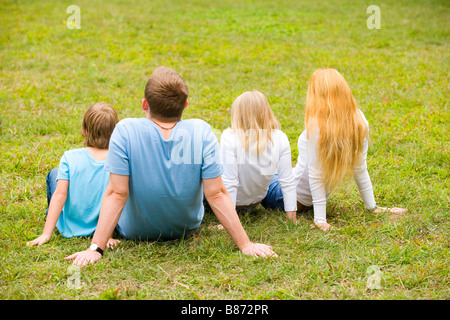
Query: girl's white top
point(247, 175)
point(308, 177)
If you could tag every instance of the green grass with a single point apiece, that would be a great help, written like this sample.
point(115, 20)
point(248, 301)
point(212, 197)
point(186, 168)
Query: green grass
point(399, 75)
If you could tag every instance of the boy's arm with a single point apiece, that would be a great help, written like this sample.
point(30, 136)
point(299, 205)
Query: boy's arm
point(222, 206)
point(57, 202)
point(114, 199)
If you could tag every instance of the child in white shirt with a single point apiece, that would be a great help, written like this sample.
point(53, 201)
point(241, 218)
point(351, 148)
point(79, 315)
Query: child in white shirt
point(333, 146)
point(255, 153)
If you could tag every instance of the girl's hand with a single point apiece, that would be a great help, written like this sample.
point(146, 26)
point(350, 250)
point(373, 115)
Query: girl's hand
point(292, 216)
point(390, 210)
point(39, 240)
point(324, 226)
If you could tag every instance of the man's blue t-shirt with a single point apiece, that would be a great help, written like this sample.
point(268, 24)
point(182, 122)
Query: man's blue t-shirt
point(166, 193)
point(87, 183)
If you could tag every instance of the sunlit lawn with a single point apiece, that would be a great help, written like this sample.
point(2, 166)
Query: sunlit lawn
point(399, 75)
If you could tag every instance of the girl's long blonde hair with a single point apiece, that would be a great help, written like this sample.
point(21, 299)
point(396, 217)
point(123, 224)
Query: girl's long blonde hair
point(332, 112)
point(253, 120)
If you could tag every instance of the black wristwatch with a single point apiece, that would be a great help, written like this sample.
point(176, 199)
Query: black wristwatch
point(95, 247)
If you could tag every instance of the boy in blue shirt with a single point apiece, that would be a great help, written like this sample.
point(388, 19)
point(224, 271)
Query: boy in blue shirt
point(80, 180)
point(160, 166)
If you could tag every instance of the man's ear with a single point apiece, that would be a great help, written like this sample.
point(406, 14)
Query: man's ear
point(144, 105)
point(186, 104)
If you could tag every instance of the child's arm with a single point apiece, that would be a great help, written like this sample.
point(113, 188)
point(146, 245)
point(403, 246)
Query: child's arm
point(56, 205)
point(316, 184)
point(362, 179)
point(230, 165)
point(286, 179)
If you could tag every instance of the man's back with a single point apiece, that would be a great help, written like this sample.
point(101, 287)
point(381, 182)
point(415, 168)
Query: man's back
point(165, 194)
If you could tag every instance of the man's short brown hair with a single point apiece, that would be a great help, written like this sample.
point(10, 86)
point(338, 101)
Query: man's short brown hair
point(99, 121)
point(166, 94)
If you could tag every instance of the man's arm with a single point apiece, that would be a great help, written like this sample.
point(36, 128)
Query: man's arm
point(218, 198)
point(114, 199)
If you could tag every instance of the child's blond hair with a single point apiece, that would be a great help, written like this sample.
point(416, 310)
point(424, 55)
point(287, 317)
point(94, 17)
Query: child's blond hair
point(332, 112)
point(99, 121)
point(253, 120)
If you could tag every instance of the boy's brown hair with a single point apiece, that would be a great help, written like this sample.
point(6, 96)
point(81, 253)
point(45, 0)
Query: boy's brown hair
point(99, 121)
point(166, 94)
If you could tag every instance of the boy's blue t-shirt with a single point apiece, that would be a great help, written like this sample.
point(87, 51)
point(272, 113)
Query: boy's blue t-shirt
point(166, 193)
point(87, 183)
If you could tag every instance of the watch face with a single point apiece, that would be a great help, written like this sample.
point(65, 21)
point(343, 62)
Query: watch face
point(93, 247)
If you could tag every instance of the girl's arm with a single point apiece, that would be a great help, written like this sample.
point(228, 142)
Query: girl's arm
point(362, 179)
point(317, 187)
point(229, 161)
point(286, 179)
point(57, 202)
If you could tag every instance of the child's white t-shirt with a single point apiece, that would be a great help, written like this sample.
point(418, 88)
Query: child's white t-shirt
point(247, 175)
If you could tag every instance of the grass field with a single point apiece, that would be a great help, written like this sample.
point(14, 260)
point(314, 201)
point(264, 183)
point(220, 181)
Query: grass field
point(399, 75)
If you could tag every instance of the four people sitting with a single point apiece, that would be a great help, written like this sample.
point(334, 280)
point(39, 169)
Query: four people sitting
point(162, 167)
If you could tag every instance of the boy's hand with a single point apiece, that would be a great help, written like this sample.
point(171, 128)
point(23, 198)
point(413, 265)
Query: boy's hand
point(85, 257)
point(39, 240)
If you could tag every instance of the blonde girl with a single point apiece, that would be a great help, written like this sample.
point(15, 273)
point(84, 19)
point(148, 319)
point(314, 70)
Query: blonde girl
point(254, 154)
point(333, 146)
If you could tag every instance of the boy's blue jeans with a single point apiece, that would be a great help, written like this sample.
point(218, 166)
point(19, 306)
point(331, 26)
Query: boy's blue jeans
point(51, 185)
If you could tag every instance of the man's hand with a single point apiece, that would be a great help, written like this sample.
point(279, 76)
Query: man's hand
point(85, 257)
point(258, 250)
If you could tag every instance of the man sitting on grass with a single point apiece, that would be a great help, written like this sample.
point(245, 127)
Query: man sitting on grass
point(160, 166)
